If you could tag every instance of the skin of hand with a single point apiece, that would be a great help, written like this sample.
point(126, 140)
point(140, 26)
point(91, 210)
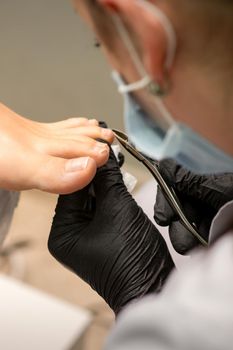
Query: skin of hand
point(201, 197)
point(59, 157)
point(103, 236)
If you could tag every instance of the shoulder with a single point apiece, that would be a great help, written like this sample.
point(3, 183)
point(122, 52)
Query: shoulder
point(195, 308)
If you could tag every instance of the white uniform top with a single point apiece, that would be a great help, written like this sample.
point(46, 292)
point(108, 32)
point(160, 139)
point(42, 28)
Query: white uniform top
point(195, 309)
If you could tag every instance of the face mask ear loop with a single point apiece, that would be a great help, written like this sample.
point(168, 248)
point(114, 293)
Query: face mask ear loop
point(169, 30)
point(146, 81)
point(141, 84)
point(129, 45)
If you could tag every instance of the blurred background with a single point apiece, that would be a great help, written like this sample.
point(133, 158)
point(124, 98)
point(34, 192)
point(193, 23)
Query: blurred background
point(49, 65)
point(50, 69)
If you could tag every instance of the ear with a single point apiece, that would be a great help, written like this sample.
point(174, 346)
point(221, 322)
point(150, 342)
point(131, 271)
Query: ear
point(148, 31)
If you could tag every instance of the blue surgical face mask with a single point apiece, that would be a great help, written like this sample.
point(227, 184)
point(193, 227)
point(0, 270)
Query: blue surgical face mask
point(163, 137)
point(179, 142)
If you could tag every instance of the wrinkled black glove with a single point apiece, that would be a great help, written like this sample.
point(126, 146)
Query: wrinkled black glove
point(108, 241)
point(201, 197)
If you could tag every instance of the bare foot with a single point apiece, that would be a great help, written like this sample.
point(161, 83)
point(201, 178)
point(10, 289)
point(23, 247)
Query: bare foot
point(58, 157)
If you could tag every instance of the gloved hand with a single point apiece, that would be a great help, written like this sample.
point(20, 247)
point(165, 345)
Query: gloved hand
point(102, 235)
point(201, 197)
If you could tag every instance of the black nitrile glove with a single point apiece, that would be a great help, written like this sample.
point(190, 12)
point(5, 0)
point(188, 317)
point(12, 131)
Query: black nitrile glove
point(108, 241)
point(201, 197)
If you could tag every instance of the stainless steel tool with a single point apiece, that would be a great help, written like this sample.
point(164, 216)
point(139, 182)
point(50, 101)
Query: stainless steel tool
point(168, 190)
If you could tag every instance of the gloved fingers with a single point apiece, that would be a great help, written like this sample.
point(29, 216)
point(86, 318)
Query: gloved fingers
point(121, 157)
point(182, 240)
point(75, 208)
point(102, 124)
point(81, 201)
point(180, 178)
point(109, 186)
point(213, 190)
point(163, 213)
point(74, 212)
point(108, 177)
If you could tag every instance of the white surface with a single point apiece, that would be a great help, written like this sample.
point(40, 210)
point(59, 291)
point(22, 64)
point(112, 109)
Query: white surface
point(31, 320)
